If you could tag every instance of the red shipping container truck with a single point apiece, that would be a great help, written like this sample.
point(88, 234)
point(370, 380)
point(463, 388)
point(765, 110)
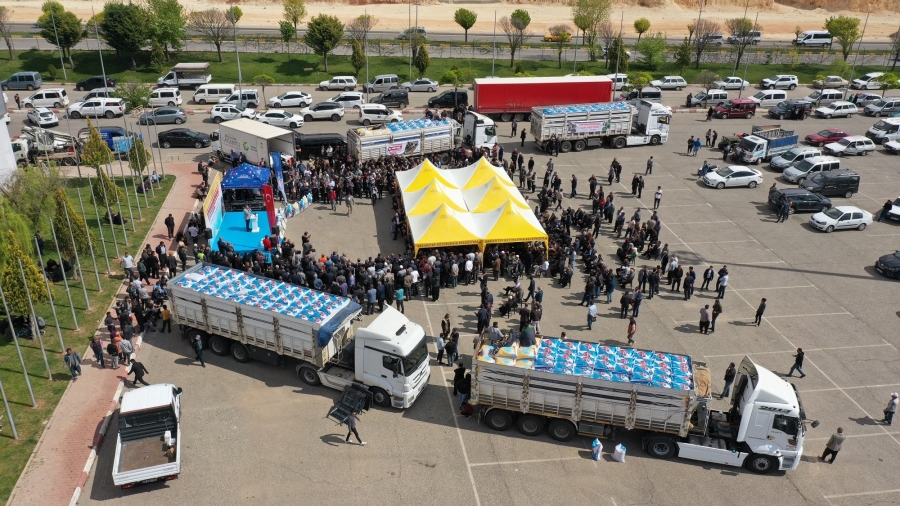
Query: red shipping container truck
point(513, 97)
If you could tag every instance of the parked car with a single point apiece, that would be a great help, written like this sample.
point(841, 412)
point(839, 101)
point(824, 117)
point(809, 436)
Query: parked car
point(183, 137)
point(412, 32)
point(381, 83)
point(619, 80)
point(752, 37)
point(892, 147)
point(349, 99)
point(393, 98)
point(421, 84)
point(92, 83)
point(827, 136)
point(165, 97)
point(42, 117)
point(790, 108)
point(23, 81)
point(783, 81)
point(734, 175)
point(323, 110)
point(97, 107)
point(810, 167)
point(226, 112)
point(825, 97)
point(669, 83)
point(280, 117)
point(291, 99)
point(852, 145)
point(894, 212)
point(346, 83)
point(793, 156)
point(884, 107)
point(840, 108)
point(769, 98)
point(163, 115)
point(648, 93)
point(803, 200)
point(736, 108)
point(732, 83)
point(244, 98)
point(867, 81)
point(831, 82)
point(889, 265)
point(833, 183)
point(102, 92)
point(863, 99)
point(841, 217)
point(708, 98)
point(51, 97)
point(377, 113)
point(449, 98)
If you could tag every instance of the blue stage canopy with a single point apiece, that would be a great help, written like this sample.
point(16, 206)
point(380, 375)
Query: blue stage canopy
point(246, 176)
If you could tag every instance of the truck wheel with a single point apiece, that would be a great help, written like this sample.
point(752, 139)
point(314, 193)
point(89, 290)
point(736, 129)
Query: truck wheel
point(579, 145)
point(562, 430)
point(239, 352)
point(309, 375)
point(335, 117)
point(661, 447)
point(77, 115)
point(218, 345)
point(380, 397)
point(109, 114)
point(530, 425)
point(654, 140)
point(619, 142)
point(505, 117)
point(445, 158)
point(760, 464)
point(519, 117)
point(69, 162)
point(565, 147)
point(498, 419)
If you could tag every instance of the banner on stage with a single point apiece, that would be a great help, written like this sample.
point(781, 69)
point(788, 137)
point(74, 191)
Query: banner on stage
point(279, 173)
point(213, 210)
point(270, 205)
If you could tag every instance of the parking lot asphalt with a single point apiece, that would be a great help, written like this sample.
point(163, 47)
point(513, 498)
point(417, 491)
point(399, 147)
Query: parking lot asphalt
point(253, 432)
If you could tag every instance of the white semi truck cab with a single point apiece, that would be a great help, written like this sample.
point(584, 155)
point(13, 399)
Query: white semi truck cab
point(479, 131)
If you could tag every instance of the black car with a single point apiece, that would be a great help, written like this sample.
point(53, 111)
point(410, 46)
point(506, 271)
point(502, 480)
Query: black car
point(803, 200)
point(833, 183)
point(393, 98)
point(449, 98)
point(790, 108)
point(92, 83)
point(183, 137)
point(311, 144)
point(889, 265)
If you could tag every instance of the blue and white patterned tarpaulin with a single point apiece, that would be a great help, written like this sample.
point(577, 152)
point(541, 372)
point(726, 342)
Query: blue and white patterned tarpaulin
point(584, 108)
point(416, 124)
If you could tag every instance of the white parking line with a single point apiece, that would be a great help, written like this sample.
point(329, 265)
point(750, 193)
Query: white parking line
point(882, 235)
point(812, 314)
point(774, 288)
point(807, 439)
point(889, 385)
point(699, 222)
point(794, 351)
point(721, 242)
point(685, 205)
point(763, 263)
point(508, 462)
point(868, 197)
point(857, 494)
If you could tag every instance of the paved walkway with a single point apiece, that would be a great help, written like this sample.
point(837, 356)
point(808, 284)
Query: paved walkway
point(64, 455)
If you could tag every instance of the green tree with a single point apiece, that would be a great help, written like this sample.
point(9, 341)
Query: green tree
point(683, 54)
point(294, 12)
point(135, 94)
point(839, 67)
point(742, 29)
point(639, 81)
point(60, 28)
point(6, 29)
point(323, 34)
point(95, 151)
point(104, 192)
point(28, 190)
point(138, 157)
point(422, 61)
point(887, 81)
point(288, 32)
point(157, 56)
point(263, 80)
point(562, 34)
point(819, 81)
point(168, 22)
point(641, 26)
point(466, 20)
point(234, 14)
point(358, 58)
point(126, 28)
point(589, 16)
point(653, 50)
point(515, 26)
point(707, 80)
point(845, 30)
point(11, 278)
point(213, 27)
point(618, 57)
point(84, 238)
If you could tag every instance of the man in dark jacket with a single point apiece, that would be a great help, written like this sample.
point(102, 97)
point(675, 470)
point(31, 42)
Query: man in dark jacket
point(626, 303)
point(707, 277)
point(139, 371)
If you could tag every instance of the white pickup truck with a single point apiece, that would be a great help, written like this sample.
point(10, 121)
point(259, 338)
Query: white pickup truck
point(148, 447)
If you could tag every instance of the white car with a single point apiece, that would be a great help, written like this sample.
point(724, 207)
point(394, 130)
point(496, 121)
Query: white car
point(779, 81)
point(890, 147)
point(323, 110)
point(345, 83)
point(669, 83)
point(97, 107)
point(280, 117)
point(852, 145)
point(291, 99)
point(225, 112)
point(831, 82)
point(349, 99)
point(894, 213)
point(731, 83)
point(837, 109)
point(619, 80)
point(42, 117)
point(377, 113)
point(734, 175)
point(867, 82)
point(421, 84)
point(841, 217)
point(50, 97)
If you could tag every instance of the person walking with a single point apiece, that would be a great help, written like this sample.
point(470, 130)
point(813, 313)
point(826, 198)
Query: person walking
point(351, 422)
point(709, 113)
point(697, 145)
point(833, 446)
point(716, 311)
point(657, 197)
point(139, 371)
point(113, 351)
point(170, 225)
point(729, 380)
point(591, 314)
point(640, 186)
point(649, 167)
point(166, 319)
point(632, 330)
point(439, 343)
point(707, 277)
point(689, 283)
point(349, 202)
point(574, 187)
point(515, 127)
point(704, 319)
point(97, 348)
point(73, 362)
point(890, 409)
point(759, 311)
point(636, 303)
point(798, 364)
point(198, 350)
point(399, 295)
point(18, 101)
point(625, 301)
point(709, 138)
point(523, 137)
point(536, 315)
point(690, 146)
point(723, 283)
point(451, 346)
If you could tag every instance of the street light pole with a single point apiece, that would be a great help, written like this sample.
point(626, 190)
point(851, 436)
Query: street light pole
point(55, 33)
point(237, 57)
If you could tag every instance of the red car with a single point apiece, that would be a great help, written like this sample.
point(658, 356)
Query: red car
point(825, 136)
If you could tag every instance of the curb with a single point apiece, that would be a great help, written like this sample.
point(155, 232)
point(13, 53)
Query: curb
point(98, 440)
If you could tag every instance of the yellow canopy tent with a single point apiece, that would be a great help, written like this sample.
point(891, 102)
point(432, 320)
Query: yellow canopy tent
point(478, 174)
point(491, 195)
point(431, 197)
point(443, 227)
point(512, 224)
point(421, 176)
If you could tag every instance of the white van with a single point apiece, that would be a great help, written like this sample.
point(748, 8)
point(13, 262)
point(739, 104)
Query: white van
point(809, 167)
point(825, 97)
point(381, 83)
point(819, 38)
point(377, 113)
point(885, 131)
point(619, 80)
point(161, 97)
point(50, 97)
point(212, 93)
point(769, 98)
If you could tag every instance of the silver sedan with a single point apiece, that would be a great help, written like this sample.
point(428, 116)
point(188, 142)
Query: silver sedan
point(422, 84)
point(163, 115)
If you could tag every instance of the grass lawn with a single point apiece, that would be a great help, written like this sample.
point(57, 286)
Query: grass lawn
point(309, 69)
point(30, 421)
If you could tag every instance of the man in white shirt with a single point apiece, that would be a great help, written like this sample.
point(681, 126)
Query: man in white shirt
point(657, 197)
point(591, 315)
point(128, 264)
point(670, 271)
point(414, 287)
point(723, 282)
point(470, 266)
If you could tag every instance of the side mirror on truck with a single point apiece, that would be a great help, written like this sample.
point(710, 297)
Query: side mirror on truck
point(395, 366)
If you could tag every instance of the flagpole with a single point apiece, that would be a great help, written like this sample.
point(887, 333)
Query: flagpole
point(146, 165)
point(91, 244)
point(34, 325)
point(12, 423)
point(56, 34)
point(18, 349)
point(494, 47)
point(100, 224)
point(128, 193)
point(99, 48)
point(65, 278)
point(62, 345)
point(87, 301)
point(118, 201)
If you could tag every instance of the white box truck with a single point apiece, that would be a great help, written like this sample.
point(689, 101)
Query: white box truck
point(583, 388)
point(148, 446)
point(186, 75)
point(618, 124)
point(253, 317)
point(422, 137)
point(255, 140)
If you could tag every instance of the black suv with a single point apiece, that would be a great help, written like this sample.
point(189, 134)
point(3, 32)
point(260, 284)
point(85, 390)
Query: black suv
point(393, 98)
point(311, 144)
point(449, 98)
point(803, 200)
point(791, 108)
point(833, 183)
point(92, 83)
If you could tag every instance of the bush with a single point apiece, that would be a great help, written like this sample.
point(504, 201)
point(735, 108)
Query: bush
point(520, 69)
point(51, 71)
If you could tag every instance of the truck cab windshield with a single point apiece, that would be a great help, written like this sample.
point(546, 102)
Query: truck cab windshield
point(412, 361)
